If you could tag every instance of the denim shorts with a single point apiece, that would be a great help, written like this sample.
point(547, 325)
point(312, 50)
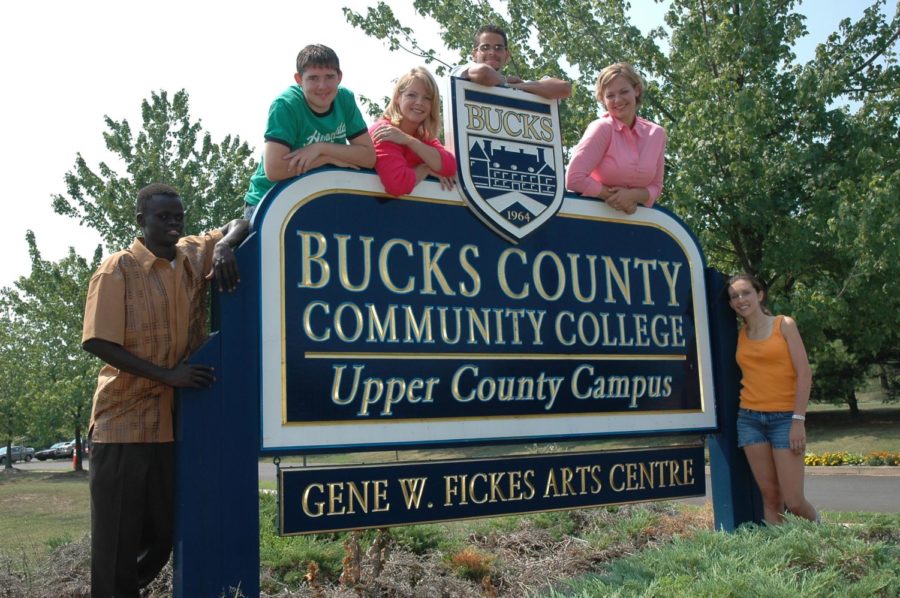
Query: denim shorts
point(774, 427)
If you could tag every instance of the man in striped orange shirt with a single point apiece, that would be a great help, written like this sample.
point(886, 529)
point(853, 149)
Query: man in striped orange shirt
point(145, 313)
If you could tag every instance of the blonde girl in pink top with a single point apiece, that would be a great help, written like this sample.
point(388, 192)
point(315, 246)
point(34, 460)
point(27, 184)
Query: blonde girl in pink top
point(775, 387)
point(406, 145)
point(620, 158)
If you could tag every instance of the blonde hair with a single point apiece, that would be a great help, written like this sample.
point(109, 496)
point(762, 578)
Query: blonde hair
point(429, 129)
point(619, 69)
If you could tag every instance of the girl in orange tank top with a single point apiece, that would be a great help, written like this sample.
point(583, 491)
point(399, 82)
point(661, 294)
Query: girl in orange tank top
point(769, 380)
point(775, 384)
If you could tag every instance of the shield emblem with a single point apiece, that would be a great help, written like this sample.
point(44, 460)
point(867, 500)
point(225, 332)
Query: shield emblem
point(508, 146)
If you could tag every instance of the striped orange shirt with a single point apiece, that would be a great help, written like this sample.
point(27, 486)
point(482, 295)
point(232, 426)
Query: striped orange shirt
point(156, 312)
point(769, 381)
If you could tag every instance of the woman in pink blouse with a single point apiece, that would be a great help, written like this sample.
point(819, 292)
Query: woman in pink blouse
point(406, 145)
point(620, 158)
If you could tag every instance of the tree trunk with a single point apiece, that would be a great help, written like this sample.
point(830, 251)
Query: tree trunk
point(79, 452)
point(853, 403)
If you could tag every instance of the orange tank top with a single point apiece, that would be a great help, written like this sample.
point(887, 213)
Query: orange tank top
point(769, 381)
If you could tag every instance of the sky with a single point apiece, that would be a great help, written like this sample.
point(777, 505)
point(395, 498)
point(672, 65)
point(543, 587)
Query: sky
point(67, 64)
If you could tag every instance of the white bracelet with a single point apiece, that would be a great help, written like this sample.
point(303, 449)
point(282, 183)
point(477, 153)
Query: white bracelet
point(801, 418)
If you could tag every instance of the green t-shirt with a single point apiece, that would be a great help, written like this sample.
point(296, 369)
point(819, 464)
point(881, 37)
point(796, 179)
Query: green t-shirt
point(293, 124)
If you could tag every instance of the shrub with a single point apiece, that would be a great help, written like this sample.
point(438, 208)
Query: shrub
point(883, 458)
point(845, 458)
point(55, 542)
point(472, 564)
point(420, 539)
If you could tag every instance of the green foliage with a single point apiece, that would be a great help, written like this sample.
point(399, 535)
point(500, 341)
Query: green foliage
point(421, 539)
point(889, 376)
point(170, 148)
point(785, 170)
point(13, 388)
point(288, 557)
point(558, 523)
point(638, 524)
point(55, 374)
point(56, 541)
point(797, 559)
point(875, 458)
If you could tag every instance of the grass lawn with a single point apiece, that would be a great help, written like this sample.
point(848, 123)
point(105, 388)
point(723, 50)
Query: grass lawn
point(831, 428)
point(799, 559)
point(41, 511)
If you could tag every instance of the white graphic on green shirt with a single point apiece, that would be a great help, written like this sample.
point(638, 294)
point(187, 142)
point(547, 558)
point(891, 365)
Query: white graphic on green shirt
point(338, 134)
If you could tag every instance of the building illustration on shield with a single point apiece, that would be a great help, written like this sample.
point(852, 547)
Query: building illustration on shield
point(498, 170)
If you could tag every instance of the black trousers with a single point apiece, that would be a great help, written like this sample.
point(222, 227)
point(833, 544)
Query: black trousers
point(132, 515)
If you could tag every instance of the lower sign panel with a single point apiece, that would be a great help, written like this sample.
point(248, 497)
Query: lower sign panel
point(327, 499)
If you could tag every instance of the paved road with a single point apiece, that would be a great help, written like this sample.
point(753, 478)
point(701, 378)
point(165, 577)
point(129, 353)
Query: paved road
point(842, 492)
point(854, 493)
point(872, 489)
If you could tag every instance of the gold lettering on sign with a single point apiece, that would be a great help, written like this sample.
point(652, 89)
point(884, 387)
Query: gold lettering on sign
point(517, 125)
point(373, 391)
point(345, 498)
point(577, 481)
point(412, 489)
point(488, 488)
point(625, 477)
point(343, 268)
point(313, 256)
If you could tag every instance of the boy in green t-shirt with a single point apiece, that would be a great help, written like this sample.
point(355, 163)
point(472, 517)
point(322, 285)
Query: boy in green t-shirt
point(313, 123)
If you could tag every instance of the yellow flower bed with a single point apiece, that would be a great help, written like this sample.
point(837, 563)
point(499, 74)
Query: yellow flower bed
point(845, 458)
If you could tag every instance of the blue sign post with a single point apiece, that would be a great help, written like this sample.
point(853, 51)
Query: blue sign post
point(736, 498)
point(217, 440)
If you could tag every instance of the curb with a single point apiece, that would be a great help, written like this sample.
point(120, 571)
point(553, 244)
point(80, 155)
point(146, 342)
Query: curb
point(847, 470)
point(871, 470)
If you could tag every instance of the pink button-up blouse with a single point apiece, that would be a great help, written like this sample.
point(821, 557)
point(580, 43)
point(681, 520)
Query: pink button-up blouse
point(611, 154)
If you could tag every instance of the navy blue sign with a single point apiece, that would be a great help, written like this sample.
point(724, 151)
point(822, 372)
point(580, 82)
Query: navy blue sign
point(354, 497)
point(398, 321)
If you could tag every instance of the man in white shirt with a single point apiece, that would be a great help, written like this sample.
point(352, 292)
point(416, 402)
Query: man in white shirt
point(491, 54)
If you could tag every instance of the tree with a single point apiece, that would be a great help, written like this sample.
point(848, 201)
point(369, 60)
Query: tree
point(854, 192)
point(13, 393)
point(59, 375)
point(170, 148)
point(804, 189)
point(787, 171)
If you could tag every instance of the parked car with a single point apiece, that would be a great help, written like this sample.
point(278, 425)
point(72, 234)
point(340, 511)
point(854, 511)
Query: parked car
point(58, 450)
point(66, 449)
point(19, 453)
